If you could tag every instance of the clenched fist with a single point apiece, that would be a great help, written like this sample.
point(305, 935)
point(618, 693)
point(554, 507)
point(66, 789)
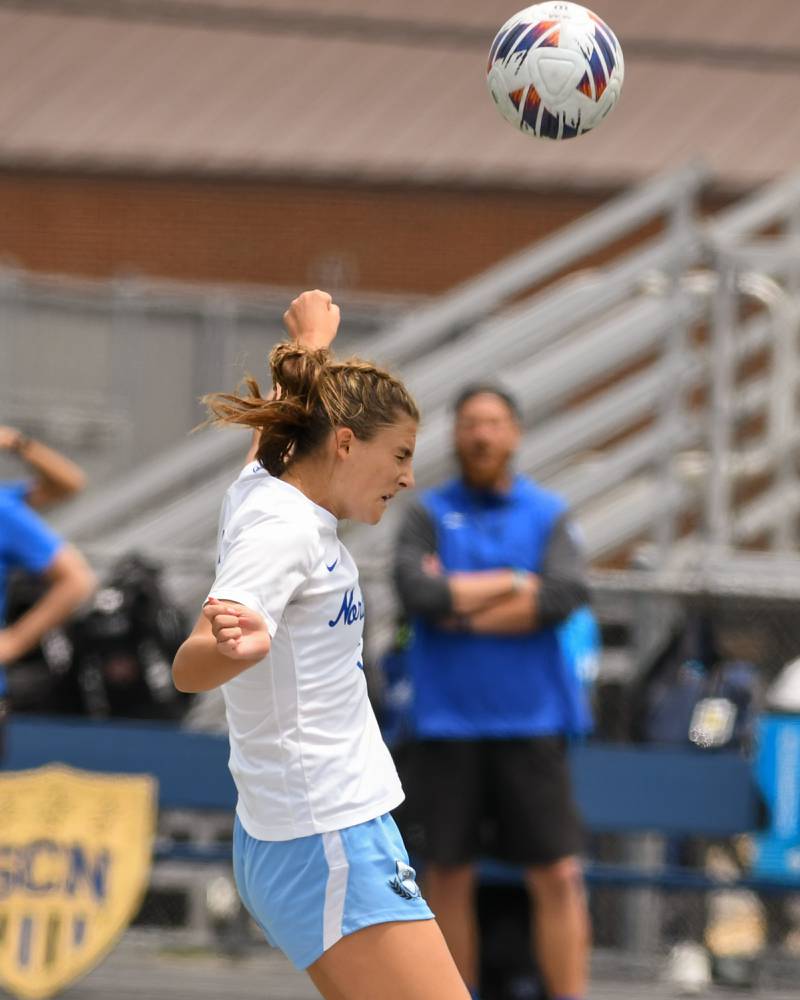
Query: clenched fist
point(241, 634)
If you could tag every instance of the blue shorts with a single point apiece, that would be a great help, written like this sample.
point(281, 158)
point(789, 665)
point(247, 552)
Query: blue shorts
point(307, 893)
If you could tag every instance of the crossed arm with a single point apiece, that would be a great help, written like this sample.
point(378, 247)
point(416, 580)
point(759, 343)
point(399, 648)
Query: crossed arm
point(501, 601)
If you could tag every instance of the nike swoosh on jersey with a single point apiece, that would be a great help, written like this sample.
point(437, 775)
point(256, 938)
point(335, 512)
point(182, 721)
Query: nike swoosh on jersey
point(332, 566)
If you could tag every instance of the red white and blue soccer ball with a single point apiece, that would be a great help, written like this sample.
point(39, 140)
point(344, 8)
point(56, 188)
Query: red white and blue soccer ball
point(555, 70)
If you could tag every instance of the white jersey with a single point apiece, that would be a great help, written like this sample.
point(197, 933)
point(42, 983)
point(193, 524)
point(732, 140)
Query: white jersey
point(306, 752)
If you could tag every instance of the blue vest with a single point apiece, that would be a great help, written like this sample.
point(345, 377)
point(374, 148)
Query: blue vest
point(470, 686)
point(581, 647)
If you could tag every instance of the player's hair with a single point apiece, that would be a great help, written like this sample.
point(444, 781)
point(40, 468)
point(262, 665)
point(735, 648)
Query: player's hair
point(492, 389)
point(315, 395)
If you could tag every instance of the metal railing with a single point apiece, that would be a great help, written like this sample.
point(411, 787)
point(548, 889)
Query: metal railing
point(111, 371)
point(671, 195)
point(620, 372)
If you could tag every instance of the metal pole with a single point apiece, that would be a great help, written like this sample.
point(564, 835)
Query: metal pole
point(643, 912)
point(723, 329)
point(212, 348)
point(671, 403)
point(127, 384)
point(783, 381)
point(792, 230)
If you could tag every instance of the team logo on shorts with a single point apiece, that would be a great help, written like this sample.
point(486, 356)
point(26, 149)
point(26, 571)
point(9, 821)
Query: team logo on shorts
point(403, 883)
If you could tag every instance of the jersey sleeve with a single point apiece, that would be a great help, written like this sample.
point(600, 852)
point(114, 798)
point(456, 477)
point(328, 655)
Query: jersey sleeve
point(263, 564)
point(419, 592)
point(563, 585)
point(29, 542)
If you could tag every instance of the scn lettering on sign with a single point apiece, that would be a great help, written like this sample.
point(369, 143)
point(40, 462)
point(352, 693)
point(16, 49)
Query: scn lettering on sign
point(47, 867)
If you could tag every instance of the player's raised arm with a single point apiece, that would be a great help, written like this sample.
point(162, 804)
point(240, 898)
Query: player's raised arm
point(312, 320)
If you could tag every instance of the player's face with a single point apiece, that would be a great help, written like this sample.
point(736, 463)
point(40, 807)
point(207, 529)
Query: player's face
point(376, 470)
point(486, 437)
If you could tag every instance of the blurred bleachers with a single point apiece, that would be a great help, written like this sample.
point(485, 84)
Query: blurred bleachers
point(657, 389)
point(658, 386)
point(235, 148)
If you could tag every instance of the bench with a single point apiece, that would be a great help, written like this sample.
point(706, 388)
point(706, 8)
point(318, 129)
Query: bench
point(639, 791)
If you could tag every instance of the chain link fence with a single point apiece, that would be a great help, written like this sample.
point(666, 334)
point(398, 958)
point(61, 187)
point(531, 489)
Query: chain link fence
point(671, 639)
point(680, 646)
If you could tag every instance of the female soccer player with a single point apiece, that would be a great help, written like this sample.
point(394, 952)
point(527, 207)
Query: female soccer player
point(318, 859)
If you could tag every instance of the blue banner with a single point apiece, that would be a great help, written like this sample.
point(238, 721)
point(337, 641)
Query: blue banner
point(778, 772)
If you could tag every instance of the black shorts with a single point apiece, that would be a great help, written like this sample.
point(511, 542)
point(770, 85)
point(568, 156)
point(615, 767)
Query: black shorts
point(509, 799)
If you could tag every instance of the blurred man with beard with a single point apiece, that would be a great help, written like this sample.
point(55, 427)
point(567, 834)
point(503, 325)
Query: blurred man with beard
point(487, 567)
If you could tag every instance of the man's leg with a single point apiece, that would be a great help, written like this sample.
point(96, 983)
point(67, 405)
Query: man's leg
point(542, 832)
point(450, 893)
point(443, 816)
point(560, 925)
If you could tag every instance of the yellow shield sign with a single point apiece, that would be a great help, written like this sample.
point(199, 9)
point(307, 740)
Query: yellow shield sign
point(75, 853)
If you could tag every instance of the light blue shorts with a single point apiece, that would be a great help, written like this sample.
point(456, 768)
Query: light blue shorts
point(307, 893)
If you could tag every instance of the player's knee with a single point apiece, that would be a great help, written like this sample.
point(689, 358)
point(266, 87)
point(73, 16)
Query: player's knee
point(560, 879)
point(451, 878)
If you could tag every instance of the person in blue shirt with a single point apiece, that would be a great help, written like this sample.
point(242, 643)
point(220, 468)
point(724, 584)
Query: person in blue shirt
point(26, 542)
point(487, 569)
point(53, 477)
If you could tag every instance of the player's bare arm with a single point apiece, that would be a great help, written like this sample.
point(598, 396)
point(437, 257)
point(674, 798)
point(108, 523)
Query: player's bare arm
point(227, 639)
point(57, 477)
point(312, 320)
point(70, 582)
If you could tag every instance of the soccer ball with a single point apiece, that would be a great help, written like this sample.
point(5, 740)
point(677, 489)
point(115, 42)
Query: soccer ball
point(555, 70)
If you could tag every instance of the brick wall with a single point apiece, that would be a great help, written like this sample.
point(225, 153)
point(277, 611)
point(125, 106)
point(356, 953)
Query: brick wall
point(379, 238)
